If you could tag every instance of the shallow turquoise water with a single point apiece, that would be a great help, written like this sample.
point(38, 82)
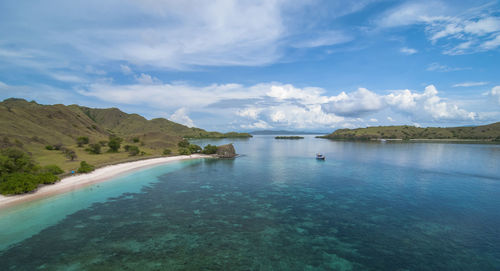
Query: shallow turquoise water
point(369, 206)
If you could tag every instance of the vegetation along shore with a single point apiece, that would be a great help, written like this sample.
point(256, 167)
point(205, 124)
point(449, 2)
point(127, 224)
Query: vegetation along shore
point(484, 133)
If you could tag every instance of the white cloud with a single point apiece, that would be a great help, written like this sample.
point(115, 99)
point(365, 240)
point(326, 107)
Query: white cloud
point(427, 104)
point(458, 31)
point(64, 77)
point(125, 69)
point(252, 113)
point(306, 95)
point(470, 84)
point(495, 92)
point(412, 12)
point(354, 104)
point(443, 68)
point(327, 38)
point(180, 116)
point(373, 120)
point(257, 125)
point(408, 51)
point(147, 79)
point(491, 44)
point(390, 119)
point(482, 26)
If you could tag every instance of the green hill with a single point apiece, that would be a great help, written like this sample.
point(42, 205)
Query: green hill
point(489, 132)
point(32, 126)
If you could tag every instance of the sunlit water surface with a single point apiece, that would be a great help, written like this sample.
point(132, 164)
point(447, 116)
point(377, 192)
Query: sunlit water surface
point(369, 206)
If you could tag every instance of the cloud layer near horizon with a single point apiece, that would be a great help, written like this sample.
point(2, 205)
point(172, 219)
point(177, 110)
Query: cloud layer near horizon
point(270, 105)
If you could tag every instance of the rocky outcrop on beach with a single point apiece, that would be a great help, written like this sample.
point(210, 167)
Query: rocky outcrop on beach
point(226, 151)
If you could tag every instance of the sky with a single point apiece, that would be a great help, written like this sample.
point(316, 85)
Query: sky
point(252, 65)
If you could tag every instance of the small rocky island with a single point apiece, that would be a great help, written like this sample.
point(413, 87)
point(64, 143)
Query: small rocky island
point(226, 151)
point(289, 137)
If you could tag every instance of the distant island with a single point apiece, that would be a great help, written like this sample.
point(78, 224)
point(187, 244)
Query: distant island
point(40, 143)
point(283, 132)
point(484, 133)
point(289, 137)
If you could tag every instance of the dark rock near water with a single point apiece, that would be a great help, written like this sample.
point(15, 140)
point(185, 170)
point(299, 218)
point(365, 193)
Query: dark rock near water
point(226, 151)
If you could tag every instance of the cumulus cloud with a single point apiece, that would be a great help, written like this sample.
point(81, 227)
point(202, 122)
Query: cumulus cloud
point(427, 104)
point(180, 116)
point(354, 104)
point(250, 112)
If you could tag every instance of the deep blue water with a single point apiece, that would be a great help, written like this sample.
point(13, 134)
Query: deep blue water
point(369, 206)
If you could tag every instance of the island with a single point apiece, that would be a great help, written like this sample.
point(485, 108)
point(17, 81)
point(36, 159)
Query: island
point(289, 137)
point(485, 133)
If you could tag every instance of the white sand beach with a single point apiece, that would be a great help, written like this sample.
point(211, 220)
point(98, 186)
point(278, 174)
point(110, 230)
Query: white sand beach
point(99, 175)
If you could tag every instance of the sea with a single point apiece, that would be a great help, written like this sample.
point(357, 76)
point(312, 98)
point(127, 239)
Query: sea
point(368, 206)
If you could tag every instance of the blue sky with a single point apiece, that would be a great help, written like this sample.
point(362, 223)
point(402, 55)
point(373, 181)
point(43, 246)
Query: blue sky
point(248, 65)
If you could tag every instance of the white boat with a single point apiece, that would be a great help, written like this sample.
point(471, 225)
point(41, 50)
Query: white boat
point(320, 156)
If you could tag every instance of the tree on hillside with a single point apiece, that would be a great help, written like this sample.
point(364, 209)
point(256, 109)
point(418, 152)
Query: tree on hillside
point(114, 143)
point(132, 150)
point(70, 154)
point(82, 140)
point(94, 148)
point(183, 144)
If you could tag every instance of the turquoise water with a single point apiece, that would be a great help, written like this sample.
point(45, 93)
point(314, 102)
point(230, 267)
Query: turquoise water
point(369, 206)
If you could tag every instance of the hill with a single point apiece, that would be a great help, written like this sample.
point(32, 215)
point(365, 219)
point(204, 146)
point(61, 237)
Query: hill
point(32, 126)
point(489, 132)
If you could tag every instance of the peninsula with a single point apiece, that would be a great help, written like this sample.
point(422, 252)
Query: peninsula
point(39, 144)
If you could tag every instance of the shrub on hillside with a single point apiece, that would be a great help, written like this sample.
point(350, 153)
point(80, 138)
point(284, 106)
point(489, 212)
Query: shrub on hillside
point(167, 151)
point(53, 169)
point(82, 140)
point(85, 167)
point(114, 143)
point(184, 151)
point(183, 144)
point(94, 148)
point(132, 150)
point(49, 147)
point(58, 146)
point(193, 148)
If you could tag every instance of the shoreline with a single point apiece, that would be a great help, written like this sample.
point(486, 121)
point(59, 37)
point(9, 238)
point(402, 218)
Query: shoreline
point(77, 181)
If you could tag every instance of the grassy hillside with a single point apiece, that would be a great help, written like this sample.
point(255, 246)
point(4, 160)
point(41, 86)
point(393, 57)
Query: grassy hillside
point(31, 127)
point(489, 132)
